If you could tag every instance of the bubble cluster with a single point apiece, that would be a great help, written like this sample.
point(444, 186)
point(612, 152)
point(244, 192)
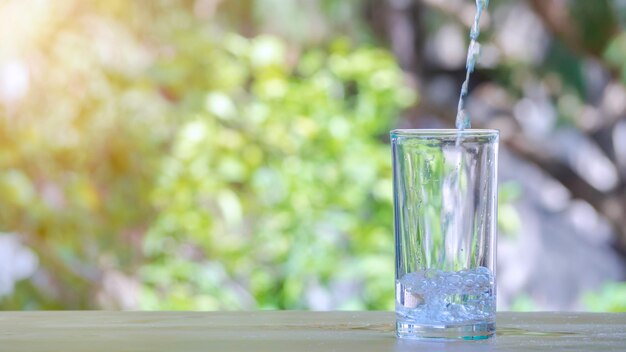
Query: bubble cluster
point(435, 296)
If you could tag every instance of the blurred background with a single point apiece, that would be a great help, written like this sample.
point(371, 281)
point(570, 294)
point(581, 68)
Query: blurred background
point(213, 154)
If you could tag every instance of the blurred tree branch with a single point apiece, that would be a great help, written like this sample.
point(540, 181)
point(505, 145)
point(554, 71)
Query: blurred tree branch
point(556, 16)
point(611, 205)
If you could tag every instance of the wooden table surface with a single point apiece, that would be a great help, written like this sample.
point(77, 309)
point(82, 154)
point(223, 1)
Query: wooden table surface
point(291, 331)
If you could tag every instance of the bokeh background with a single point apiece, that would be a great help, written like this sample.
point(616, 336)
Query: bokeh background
point(207, 154)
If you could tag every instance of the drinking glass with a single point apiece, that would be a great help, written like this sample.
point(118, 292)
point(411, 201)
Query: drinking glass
point(445, 208)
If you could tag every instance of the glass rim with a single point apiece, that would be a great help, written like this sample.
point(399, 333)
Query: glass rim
point(445, 132)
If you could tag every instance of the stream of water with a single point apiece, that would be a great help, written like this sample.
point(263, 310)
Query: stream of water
point(463, 119)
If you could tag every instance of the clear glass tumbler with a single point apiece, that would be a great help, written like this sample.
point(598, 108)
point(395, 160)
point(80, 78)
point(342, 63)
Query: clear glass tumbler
point(445, 191)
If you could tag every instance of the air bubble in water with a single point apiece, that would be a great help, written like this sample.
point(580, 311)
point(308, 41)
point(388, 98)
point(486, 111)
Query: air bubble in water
point(434, 296)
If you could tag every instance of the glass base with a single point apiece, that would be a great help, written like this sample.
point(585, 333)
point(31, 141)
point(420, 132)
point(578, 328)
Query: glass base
point(476, 331)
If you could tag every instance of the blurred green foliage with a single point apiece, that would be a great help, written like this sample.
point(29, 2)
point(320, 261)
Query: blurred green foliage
point(596, 22)
point(509, 222)
point(280, 188)
point(197, 167)
point(609, 299)
point(80, 154)
point(523, 303)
